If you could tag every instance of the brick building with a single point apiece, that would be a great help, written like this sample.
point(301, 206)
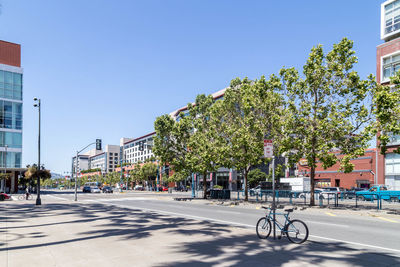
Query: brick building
point(362, 176)
point(387, 64)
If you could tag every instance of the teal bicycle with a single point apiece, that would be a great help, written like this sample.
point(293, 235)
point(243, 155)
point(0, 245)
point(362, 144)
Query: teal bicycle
point(295, 230)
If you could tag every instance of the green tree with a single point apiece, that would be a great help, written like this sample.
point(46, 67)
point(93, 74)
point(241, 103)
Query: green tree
point(202, 154)
point(148, 172)
point(248, 113)
point(136, 174)
point(256, 176)
point(171, 142)
point(329, 107)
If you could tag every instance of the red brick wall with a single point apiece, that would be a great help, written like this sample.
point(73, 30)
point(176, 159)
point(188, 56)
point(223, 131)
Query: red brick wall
point(346, 180)
point(10, 54)
point(382, 50)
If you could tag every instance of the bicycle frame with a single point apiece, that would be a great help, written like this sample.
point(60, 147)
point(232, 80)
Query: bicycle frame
point(280, 226)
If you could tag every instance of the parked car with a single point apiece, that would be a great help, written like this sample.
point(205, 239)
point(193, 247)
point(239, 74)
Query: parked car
point(86, 189)
point(351, 193)
point(107, 189)
point(94, 189)
point(138, 187)
point(322, 193)
point(4, 196)
point(379, 190)
point(181, 188)
point(164, 188)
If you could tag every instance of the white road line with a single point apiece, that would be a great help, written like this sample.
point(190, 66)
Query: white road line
point(251, 226)
point(355, 243)
point(56, 197)
point(330, 224)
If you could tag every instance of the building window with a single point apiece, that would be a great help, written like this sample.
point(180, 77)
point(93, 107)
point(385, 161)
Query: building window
point(392, 162)
point(392, 17)
point(390, 66)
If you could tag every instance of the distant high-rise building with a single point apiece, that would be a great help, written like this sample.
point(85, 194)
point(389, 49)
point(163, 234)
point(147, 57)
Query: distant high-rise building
point(10, 114)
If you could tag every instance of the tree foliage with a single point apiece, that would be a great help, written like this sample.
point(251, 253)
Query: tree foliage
point(172, 141)
point(256, 176)
point(330, 109)
point(202, 156)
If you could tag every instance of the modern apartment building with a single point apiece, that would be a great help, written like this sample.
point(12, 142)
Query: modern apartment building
point(387, 64)
point(138, 149)
point(106, 161)
point(11, 94)
point(81, 164)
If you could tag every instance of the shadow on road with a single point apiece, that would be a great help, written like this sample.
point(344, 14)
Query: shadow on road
point(203, 243)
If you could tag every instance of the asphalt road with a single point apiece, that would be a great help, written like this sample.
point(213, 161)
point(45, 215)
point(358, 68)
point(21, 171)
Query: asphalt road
point(362, 230)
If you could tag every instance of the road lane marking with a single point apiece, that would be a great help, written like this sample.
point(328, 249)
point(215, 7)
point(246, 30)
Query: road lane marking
point(355, 243)
point(248, 226)
point(330, 214)
point(386, 219)
point(57, 197)
point(331, 224)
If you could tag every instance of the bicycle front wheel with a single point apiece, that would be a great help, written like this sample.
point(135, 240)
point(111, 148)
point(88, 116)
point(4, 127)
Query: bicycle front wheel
point(22, 197)
point(297, 231)
point(263, 228)
point(30, 197)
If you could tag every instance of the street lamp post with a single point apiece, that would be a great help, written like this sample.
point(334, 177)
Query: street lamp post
point(76, 167)
point(38, 200)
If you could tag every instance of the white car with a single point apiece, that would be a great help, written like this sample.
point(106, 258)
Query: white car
point(95, 189)
point(324, 193)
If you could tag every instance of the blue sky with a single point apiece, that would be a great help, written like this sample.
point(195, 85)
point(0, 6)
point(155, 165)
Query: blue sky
point(107, 69)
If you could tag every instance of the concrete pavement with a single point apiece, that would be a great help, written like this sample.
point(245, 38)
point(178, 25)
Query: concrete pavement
point(61, 233)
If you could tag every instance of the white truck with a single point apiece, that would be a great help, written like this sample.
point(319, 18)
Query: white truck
point(298, 184)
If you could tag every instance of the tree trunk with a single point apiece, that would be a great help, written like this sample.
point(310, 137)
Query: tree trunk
point(312, 179)
point(246, 192)
point(204, 185)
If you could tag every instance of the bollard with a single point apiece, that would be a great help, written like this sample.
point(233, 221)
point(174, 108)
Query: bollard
point(356, 201)
point(321, 202)
point(305, 202)
point(256, 197)
point(238, 195)
point(290, 199)
point(336, 200)
point(377, 202)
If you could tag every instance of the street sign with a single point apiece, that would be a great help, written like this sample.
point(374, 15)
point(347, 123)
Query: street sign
point(268, 148)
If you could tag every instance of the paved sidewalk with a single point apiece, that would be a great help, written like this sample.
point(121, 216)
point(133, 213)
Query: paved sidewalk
point(93, 234)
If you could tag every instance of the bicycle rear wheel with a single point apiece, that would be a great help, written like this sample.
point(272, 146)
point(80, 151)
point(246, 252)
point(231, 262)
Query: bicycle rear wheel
point(263, 228)
point(22, 197)
point(297, 231)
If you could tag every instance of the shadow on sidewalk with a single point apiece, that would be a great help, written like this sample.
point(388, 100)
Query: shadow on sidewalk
point(205, 243)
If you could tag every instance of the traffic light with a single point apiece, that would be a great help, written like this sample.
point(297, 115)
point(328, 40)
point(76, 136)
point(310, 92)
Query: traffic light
point(98, 144)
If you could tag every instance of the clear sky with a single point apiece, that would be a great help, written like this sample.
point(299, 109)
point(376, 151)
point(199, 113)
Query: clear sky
point(107, 69)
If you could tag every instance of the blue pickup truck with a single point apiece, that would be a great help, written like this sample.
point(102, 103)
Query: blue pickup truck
point(378, 191)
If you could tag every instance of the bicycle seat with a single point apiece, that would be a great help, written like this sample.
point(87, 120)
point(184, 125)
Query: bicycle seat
point(289, 210)
point(264, 207)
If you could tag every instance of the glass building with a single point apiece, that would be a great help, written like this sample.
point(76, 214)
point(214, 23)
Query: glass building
point(11, 95)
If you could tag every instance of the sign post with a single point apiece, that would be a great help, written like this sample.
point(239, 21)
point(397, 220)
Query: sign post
point(269, 153)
